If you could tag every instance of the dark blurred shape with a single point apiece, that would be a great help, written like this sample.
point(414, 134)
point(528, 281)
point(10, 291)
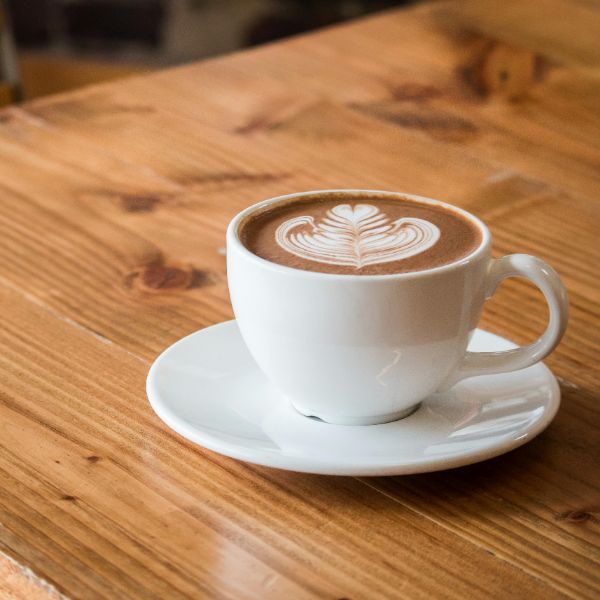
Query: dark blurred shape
point(40, 22)
point(64, 44)
point(94, 22)
point(10, 82)
point(31, 21)
point(115, 21)
point(299, 16)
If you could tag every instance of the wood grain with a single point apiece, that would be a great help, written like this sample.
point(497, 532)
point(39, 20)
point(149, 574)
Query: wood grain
point(113, 206)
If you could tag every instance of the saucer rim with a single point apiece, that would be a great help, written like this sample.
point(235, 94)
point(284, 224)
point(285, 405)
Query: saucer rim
point(270, 457)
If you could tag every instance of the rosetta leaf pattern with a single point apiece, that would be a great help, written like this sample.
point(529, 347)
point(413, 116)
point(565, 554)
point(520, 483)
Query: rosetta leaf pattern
point(356, 236)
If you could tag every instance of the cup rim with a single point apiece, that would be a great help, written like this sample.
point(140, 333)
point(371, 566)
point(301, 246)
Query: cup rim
point(234, 239)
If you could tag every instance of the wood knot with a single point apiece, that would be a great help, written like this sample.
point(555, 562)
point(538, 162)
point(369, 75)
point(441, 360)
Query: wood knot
point(68, 498)
point(574, 516)
point(92, 459)
point(499, 70)
point(139, 203)
point(165, 277)
point(160, 277)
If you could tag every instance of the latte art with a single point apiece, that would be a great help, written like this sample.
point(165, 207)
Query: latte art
point(356, 236)
point(359, 233)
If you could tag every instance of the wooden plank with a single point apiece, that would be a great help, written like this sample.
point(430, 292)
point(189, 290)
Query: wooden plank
point(112, 502)
point(113, 206)
point(416, 76)
point(178, 237)
point(178, 233)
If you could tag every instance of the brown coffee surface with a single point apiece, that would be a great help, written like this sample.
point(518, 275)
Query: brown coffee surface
point(363, 229)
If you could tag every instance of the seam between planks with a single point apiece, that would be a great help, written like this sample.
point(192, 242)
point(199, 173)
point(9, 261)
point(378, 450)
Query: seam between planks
point(24, 572)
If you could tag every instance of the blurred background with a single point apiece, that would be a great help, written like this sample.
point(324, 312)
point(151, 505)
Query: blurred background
point(49, 46)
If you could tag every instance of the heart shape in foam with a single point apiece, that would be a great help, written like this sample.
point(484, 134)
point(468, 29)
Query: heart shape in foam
point(356, 236)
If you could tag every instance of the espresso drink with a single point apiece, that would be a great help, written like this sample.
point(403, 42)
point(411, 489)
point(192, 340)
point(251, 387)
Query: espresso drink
point(366, 234)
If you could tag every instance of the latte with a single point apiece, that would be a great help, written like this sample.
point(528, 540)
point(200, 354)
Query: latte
point(360, 234)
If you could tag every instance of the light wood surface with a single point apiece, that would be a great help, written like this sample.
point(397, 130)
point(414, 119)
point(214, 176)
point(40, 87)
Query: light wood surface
point(42, 74)
point(113, 207)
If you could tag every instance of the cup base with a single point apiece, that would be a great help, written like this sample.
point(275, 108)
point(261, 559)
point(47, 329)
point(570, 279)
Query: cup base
point(376, 420)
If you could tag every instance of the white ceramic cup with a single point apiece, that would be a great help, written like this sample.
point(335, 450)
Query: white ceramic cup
point(366, 349)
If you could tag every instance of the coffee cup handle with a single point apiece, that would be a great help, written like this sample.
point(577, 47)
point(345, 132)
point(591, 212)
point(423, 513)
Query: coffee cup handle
point(549, 283)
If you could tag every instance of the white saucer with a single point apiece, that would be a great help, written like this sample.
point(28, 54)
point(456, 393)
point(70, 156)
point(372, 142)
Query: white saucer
point(208, 389)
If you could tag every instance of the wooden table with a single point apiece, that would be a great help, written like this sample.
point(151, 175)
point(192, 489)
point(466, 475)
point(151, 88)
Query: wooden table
point(114, 202)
